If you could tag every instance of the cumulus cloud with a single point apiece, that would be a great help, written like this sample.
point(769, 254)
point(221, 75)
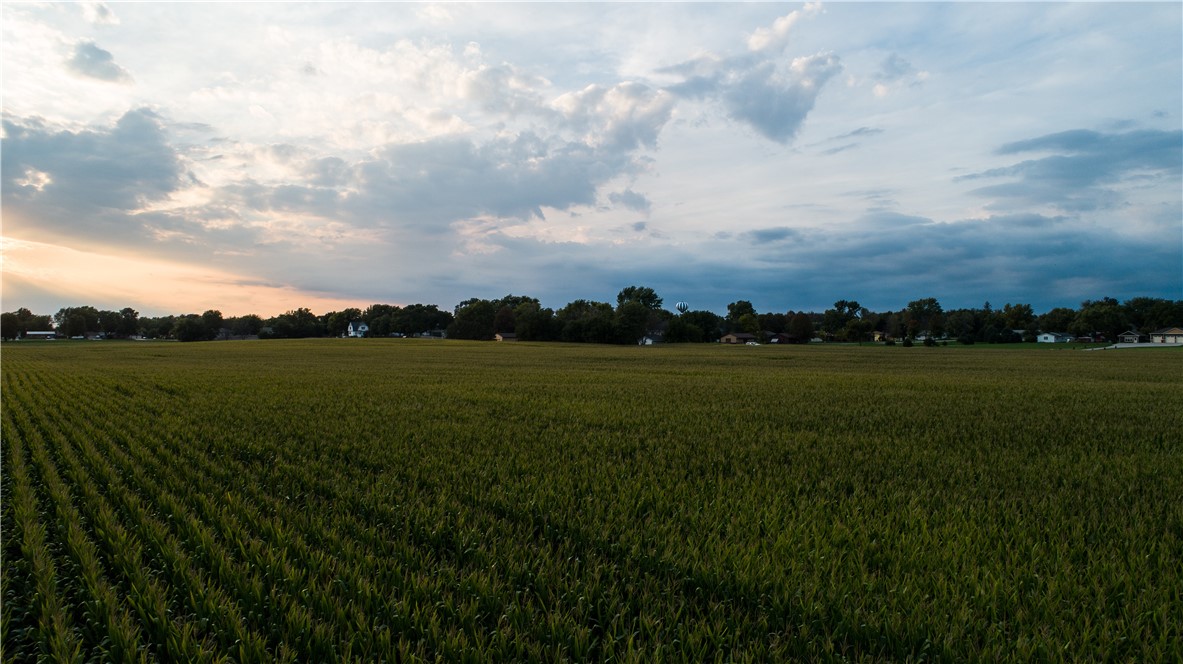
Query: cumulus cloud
point(624, 116)
point(761, 89)
point(503, 88)
point(776, 36)
point(443, 180)
point(99, 13)
point(94, 62)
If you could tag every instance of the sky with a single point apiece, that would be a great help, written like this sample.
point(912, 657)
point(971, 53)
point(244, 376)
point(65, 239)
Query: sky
point(260, 157)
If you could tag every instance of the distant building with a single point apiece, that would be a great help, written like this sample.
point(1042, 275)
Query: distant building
point(1167, 335)
point(1132, 337)
point(40, 334)
point(737, 338)
point(357, 328)
point(505, 336)
point(1053, 338)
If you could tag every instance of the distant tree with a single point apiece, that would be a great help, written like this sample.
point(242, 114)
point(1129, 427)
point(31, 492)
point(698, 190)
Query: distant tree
point(158, 327)
point(109, 323)
point(962, 324)
point(774, 323)
point(76, 321)
point(749, 323)
point(1104, 317)
point(336, 323)
point(737, 310)
point(214, 322)
point(680, 330)
point(535, 323)
point(708, 323)
point(9, 324)
point(647, 297)
point(844, 320)
point(473, 320)
point(924, 314)
point(801, 328)
point(416, 318)
point(632, 318)
point(1058, 319)
point(129, 322)
point(857, 329)
point(245, 326)
point(190, 327)
point(295, 324)
point(375, 310)
point(503, 320)
point(22, 320)
point(1148, 314)
point(586, 321)
point(1018, 316)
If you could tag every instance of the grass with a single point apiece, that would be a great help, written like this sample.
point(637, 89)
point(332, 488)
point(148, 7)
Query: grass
point(398, 499)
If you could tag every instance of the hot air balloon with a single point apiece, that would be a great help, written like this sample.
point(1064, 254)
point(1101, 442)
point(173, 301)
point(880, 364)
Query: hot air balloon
point(682, 307)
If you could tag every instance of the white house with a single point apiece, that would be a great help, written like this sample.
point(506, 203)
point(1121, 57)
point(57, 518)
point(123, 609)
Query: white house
point(357, 328)
point(1167, 335)
point(1131, 337)
point(1053, 338)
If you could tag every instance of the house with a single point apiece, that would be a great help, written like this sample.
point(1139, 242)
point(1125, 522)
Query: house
point(1167, 335)
point(357, 328)
point(40, 334)
point(1132, 337)
point(505, 336)
point(737, 338)
point(1053, 338)
point(880, 335)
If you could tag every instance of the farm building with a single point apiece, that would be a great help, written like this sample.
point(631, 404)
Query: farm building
point(40, 334)
point(357, 328)
point(1132, 337)
point(1053, 338)
point(505, 336)
point(1167, 335)
point(738, 338)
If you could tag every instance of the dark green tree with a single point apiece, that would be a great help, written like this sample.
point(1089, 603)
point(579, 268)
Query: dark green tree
point(9, 324)
point(647, 297)
point(473, 320)
point(924, 314)
point(1059, 319)
point(801, 328)
point(190, 327)
point(76, 321)
point(708, 323)
point(245, 326)
point(632, 318)
point(737, 310)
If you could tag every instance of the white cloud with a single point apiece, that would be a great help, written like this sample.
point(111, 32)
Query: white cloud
point(530, 139)
point(624, 117)
point(776, 37)
point(99, 13)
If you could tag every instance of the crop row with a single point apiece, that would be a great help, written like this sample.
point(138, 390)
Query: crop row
point(325, 501)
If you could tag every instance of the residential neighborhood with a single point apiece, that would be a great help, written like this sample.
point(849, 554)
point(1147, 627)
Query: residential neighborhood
point(639, 317)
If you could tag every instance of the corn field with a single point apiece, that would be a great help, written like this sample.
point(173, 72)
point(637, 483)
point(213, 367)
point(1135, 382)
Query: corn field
point(404, 500)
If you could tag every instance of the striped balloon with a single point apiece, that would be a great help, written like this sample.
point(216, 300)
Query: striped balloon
point(682, 307)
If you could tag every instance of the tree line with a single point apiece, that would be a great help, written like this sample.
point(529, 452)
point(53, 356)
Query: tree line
point(639, 311)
